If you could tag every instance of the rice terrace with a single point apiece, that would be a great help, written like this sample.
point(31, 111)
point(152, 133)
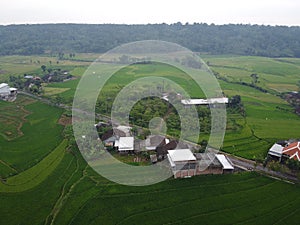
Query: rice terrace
point(254, 179)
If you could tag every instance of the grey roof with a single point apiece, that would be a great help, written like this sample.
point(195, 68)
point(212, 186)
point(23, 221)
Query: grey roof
point(276, 150)
point(207, 159)
point(181, 155)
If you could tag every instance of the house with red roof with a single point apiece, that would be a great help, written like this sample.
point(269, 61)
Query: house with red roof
point(292, 151)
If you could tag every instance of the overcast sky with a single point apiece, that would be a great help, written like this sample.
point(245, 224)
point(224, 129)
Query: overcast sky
point(268, 12)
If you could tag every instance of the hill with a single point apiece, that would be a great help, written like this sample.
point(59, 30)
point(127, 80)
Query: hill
point(271, 41)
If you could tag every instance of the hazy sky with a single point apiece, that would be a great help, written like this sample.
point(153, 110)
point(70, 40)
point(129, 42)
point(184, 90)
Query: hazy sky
point(273, 12)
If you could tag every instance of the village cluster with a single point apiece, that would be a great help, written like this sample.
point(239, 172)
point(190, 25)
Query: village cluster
point(183, 162)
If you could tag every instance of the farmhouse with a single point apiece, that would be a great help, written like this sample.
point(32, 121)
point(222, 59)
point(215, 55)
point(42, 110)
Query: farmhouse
point(292, 151)
point(7, 93)
point(208, 164)
point(185, 164)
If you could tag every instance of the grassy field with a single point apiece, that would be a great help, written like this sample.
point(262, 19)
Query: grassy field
point(36, 174)
point(12, 117)
point(65, 90)
point(281, 73)
point(40, 134)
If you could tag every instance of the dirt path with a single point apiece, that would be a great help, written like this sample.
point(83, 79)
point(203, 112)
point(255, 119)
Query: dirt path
point(65, 193)
point(23, 120)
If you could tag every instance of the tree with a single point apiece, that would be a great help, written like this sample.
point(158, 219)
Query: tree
point(254, 77)
point(235, 101)
point(43, 67)
point(216, 39)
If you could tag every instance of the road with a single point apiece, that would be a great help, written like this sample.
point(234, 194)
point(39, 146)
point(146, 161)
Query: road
point(251, 165)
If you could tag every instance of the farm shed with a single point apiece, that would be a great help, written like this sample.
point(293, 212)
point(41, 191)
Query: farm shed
point(225, 162)
point(207, 163)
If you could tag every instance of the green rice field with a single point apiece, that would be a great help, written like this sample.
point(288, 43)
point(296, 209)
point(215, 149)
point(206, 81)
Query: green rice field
point(44, 181)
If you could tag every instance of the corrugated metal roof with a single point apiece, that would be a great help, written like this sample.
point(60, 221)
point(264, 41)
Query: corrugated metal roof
point(204, 101)
point(225, 163)
point(181, 155)
point(126, 143)
point(276, 150)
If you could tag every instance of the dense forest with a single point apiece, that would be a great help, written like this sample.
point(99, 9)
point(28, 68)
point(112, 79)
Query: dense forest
point(272, 41)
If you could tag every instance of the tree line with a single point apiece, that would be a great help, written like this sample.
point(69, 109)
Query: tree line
point(271, 41)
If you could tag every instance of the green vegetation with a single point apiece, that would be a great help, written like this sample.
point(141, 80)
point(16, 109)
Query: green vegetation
point(251, 130)
point(64, 91)
point(279, 71)
point(31, 65)
point(261, 120)
point(41, 183)
point(12, 117)
point(36, 174)
point(76, 195)
point(40, 134)
point(268, 117)
point(65, 39)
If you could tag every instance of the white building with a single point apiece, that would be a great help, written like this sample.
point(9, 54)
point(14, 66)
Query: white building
point(183, 162)
point(188, 102)
point(225, 162)
point(125, 144)
point(7, 93)
point(276, 150)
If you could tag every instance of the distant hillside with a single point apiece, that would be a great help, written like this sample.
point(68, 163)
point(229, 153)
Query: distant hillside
point(215, 39)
